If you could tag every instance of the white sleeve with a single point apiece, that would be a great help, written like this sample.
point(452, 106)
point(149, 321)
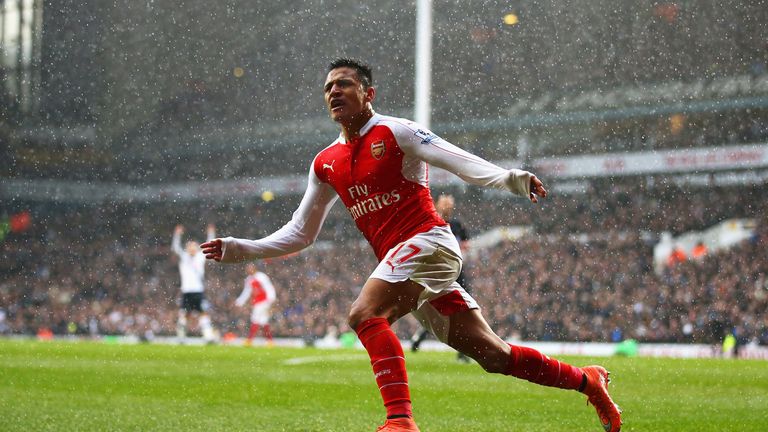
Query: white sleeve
point(176, 244)
point(416, 141)
point(245, 294)
point(300, 232)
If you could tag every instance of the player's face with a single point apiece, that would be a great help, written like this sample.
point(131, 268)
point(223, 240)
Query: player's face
point(192, 248)
point(345, 96)
point(444, 206)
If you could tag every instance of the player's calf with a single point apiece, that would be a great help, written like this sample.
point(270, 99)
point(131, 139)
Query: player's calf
point(531, 365)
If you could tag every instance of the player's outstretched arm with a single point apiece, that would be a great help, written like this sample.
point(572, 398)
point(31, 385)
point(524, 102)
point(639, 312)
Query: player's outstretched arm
point(422, 144)
point(478, 171)
point(176, 240)
point(299, 233)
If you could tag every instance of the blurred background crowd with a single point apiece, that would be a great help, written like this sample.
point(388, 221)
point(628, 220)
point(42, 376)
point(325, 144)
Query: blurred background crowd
point(584, 273)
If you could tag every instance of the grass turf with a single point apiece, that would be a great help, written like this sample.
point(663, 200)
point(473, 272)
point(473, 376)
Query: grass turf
point(90, 386)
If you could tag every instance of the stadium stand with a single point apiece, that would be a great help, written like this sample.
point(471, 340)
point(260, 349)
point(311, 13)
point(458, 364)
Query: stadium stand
point(586, 274)
point(171, 107)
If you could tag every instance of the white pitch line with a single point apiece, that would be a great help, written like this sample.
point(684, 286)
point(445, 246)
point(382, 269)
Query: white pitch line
point(326, 358)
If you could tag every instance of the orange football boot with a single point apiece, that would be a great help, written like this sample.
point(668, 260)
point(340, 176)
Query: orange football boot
point(402, 424)
point(597, 394)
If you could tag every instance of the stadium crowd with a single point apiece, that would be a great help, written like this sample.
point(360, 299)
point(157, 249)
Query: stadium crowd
point(665, 132)
point(585, 274)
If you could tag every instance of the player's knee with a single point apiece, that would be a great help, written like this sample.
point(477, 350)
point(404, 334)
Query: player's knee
point(357, 315)
point(361, 312)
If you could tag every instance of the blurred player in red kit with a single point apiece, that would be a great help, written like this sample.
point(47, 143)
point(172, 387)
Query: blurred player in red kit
point(259, 292)
point(378, 167)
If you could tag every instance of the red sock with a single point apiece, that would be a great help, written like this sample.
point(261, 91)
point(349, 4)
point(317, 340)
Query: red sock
point(267, 332)
point(388, 363)
point(253, 331)
point(533, 366)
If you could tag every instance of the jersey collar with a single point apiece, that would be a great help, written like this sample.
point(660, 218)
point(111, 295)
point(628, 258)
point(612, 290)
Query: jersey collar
point(365, 129)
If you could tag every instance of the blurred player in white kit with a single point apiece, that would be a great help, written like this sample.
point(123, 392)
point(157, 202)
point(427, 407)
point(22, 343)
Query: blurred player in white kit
point(259, 292)
point(192, 272)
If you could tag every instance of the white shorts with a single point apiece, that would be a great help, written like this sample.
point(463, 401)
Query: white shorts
point(433, 260)
point(260, 313)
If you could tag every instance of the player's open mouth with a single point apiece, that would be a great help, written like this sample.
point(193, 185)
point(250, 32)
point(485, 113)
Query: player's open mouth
point(336, 104)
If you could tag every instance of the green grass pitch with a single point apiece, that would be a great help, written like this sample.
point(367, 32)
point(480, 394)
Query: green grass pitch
point(90, 386)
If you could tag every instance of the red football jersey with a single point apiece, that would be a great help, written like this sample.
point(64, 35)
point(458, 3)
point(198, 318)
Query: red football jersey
point(258, 293)
point(388, 201)
point(382, 179)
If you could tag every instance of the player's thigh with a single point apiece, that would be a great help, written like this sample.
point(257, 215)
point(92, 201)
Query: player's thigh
point(390, 300)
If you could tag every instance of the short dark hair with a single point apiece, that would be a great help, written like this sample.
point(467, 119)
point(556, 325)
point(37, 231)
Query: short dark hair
point(362, 69)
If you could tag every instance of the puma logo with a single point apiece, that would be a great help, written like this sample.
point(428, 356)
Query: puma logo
point(330, 167)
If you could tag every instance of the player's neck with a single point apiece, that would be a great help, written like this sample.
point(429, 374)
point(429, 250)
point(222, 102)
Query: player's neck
point(352, 127)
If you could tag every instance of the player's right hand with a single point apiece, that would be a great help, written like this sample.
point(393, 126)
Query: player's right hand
point(213, 249)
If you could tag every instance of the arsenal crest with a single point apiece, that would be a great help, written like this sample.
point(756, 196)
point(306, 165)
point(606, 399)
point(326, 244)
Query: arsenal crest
point(377, 150)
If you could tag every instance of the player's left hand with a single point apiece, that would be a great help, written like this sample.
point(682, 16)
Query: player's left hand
point(537, 189)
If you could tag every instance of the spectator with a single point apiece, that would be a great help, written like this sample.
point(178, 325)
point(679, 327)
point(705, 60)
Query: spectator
point(699, 251)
